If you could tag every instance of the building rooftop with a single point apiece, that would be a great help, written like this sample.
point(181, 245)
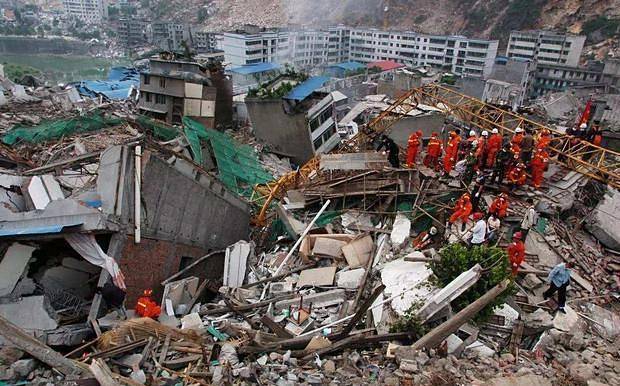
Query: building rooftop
point(255, 68)
point(305, 89)
point(385, 65)
point(349, 66)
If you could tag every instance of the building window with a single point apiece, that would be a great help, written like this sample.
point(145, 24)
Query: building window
point(147, 79)
point(147, 96)
point(162, 82)
point(160, 99)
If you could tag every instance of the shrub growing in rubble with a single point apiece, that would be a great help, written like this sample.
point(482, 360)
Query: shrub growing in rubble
point(456, 259)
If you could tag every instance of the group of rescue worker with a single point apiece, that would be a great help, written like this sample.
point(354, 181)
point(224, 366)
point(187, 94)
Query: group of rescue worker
point(510, 158)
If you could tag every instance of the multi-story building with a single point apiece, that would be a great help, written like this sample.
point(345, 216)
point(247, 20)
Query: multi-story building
point(174, 36)
point(546, 47)
point(132, 32)
point(88, 11)
point(458, 54)
point(172, 89)
point(553, 78)
point(252, 45)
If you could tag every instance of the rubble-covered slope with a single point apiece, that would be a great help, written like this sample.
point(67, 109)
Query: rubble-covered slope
point(488, 18)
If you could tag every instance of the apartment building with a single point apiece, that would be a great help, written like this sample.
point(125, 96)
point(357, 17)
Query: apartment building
point(251, 45)
point(553, 77)
point(171, 37)
point(458, 54)
point(174, 88)
point(546, 47)
point(131, 32)
point(88, 11)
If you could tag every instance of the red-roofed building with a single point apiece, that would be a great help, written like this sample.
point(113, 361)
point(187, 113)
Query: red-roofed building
point(385, 65)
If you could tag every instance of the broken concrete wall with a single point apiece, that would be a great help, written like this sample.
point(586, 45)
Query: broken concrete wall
point(284, 133)
point(402, 129)
point(603, 223)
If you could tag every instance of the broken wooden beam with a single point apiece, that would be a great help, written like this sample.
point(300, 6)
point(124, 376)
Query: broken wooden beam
point(437, 335)
point(20, 339)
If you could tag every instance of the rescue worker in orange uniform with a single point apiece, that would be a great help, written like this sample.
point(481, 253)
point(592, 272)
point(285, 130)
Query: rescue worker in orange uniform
point(467, 146)
point(518, 137)
point(516, 252)
point(494, 144)
point(482, 149)
point(433, 152)
point(499, 206)
point(413, 145)
point(538, 165)
point(517, 175)
point(452, 148)
point(462, 209)
point(146, 307)
point(544, 140)
point(595, 135)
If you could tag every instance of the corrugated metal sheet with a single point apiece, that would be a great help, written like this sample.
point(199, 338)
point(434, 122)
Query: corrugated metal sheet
point(304, 90)
point(255, 68)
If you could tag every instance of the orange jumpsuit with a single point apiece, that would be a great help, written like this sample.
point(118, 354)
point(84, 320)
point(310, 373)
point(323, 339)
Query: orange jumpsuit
point(499, 207)
point(543, 142)
point(412, 149)
point(481, 151)
point(516, 254)
point(517, 176)
point(538, 166)
point(462, 210)
point(494, 144)
point(433, 152)
point(598, 139)
point(516, 139)
point(449, 159)
point(146, 307)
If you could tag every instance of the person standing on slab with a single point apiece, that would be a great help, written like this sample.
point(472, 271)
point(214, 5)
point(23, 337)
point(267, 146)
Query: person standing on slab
point(530, 218)
point(559, 279)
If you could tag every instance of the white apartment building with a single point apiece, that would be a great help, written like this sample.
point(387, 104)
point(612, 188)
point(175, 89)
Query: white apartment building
point(254, 45)
point(546, 47)
point(88, 11)
point(458, 54)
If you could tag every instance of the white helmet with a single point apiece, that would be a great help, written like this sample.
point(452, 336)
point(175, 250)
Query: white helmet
point(433, 231)
point(474, 143)
point(518, 130)
point(485, 133)
point(583, 126)
point(472, 133)
point(494, 131)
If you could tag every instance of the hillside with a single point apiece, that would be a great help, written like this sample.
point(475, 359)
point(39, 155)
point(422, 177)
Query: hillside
point(484, 18)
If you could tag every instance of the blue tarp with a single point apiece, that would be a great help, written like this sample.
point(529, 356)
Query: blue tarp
point(117, 87)
point(39, 230)
point(255, 68)
point(349, 66)
point(304, 90)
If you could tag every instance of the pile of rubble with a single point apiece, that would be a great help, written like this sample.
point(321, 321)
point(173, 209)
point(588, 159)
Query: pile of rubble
point(340, 286)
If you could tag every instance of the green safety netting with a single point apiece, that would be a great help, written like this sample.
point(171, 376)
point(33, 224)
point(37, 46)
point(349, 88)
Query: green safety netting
point(49, 130)
point(238, 165)
point(160, 131)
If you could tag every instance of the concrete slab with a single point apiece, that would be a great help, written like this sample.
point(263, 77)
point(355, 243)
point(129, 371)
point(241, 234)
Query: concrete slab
point(318, 300)
point(37, 193)
point(566, 322)
point(52, 187)
point(317, 277)
point(192, 322)
point(350, 279)
point(354, 161)
point(31, 313)
point(328, 247)
point(357, 252)
point(603, 224)
point(525, 380)
point(80, 265)
point(13, 265)
point(482, 350)
point(408, 278)
point(400, 230)
point(235, 263)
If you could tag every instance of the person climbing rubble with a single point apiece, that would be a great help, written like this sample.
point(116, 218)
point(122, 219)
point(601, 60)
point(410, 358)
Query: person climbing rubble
point(413, 145)
point(539, 164)
point(433, 152)
point(517, 175)
point(530, 218)
point(544, 140)
point(517, 138)
point(451, 156)
point(516, 252)
point(462, 209)
point(559, 280)
point(499, 206)
point(391, 149)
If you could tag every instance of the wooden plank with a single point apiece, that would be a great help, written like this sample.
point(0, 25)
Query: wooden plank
point(20, 339)
point(275, 327)
point(192, 265)
point(359, 314)
point(102, 373)
point(164, 349)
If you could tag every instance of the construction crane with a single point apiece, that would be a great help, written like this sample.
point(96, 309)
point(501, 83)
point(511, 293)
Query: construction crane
point(584, 157)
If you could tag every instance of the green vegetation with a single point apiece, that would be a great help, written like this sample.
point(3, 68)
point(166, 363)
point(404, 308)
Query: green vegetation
point(290, 76)
point(456, 259)
point(16, 72)
point(602, 25)
point(410, 322)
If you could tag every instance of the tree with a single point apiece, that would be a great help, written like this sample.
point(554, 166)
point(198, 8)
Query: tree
point(456, 259)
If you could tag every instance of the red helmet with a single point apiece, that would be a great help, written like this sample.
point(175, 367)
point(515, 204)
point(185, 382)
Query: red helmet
point(517, 236)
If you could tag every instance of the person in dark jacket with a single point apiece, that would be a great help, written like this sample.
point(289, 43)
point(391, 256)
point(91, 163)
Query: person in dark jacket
point(392, 150)
point(527, 147)
point(502, 163)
